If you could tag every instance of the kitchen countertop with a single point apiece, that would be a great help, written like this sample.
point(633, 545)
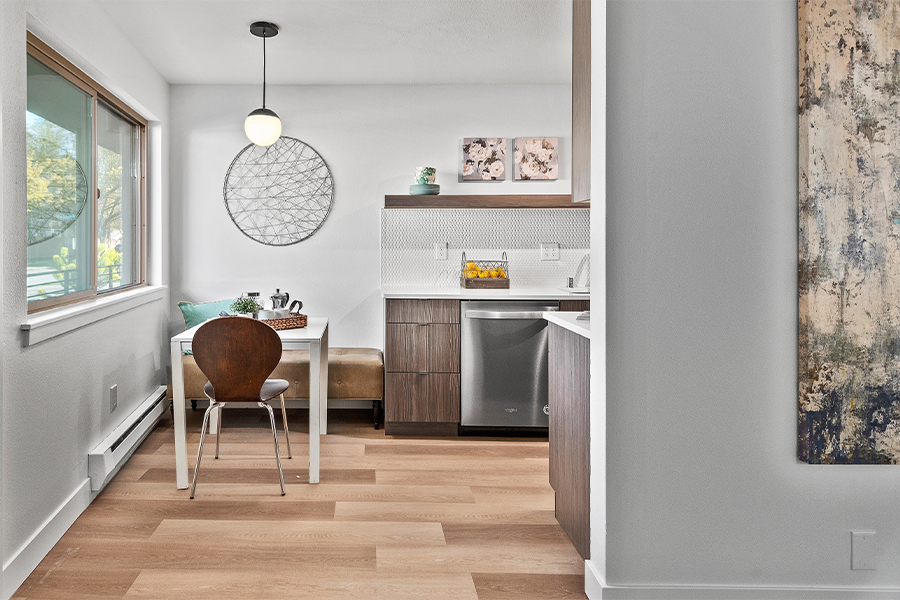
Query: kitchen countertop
point(567, 320)
point(516, 293)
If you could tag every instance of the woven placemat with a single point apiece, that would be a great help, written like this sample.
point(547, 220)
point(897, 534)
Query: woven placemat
point(292, 322)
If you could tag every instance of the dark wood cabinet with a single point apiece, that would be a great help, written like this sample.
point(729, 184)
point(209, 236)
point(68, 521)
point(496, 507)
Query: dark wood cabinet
point(570, 468)
point(421, 361)
point(574, 305)
point(581, 100)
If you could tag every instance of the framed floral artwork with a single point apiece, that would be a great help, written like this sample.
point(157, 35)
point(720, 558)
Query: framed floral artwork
point(536, 158)
point(484, 159)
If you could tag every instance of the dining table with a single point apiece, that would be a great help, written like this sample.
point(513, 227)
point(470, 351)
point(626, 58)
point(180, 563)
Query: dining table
point(313, 337)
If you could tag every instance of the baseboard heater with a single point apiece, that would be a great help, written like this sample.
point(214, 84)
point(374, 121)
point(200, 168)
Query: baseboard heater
point(105, 460)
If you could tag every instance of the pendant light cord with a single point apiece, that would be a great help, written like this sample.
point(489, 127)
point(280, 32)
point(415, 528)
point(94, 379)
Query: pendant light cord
point(264, 71)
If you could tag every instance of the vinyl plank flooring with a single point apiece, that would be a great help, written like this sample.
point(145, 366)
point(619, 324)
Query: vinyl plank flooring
point(281, 533)
point(249, 474)
point(393, 518)
point(526, 586)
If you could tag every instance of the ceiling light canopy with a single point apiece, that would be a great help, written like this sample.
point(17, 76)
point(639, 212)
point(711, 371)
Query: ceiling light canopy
point(263, 126)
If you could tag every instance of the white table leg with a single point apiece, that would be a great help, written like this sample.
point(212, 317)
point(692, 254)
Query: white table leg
point(323, 390)
point(315, 395)
point(181, 467)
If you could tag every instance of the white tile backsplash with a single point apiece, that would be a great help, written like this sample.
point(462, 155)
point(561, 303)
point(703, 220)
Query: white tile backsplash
point(408, 237)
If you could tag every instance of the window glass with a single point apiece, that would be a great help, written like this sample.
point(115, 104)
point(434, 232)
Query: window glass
point(118, 203)
point(59, 146)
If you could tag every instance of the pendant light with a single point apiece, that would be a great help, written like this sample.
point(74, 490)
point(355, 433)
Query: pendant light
point(263, 126)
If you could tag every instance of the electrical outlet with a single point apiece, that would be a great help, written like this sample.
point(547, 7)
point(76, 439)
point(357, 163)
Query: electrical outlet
point(440, 251)
point(549, 251)
point(862, 550)
point(113, 398)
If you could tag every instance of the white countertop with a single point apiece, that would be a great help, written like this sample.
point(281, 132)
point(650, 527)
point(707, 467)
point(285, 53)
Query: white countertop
point(567, 320)
point(520, 293)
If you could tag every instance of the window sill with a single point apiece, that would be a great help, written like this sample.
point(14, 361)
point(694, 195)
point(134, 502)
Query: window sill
point(57, 321)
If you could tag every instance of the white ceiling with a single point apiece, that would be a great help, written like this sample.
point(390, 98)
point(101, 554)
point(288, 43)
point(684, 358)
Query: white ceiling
point(352, 41)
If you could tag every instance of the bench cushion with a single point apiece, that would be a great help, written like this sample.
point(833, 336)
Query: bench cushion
point(353, 373)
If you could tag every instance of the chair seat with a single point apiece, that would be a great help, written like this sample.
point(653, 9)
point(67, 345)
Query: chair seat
point(270, 389)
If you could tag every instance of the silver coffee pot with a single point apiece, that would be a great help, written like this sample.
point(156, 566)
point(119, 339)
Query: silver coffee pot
point(280, 300)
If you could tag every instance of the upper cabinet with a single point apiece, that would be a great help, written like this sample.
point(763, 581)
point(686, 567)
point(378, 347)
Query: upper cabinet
point(581, 100)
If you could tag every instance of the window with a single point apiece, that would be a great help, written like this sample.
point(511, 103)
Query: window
point(85, 185)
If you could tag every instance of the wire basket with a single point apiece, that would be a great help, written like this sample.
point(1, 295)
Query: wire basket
point(484, 274)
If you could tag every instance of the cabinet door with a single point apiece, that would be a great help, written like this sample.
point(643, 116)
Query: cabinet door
point(419, 397)
point(406, 348)
point(443, 348)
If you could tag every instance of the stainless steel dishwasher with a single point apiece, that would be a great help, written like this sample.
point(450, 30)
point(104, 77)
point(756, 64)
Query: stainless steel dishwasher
point(503, 363)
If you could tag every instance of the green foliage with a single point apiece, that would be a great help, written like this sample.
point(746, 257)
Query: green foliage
point(62, 263)
point(108, 257)
point(245, 305)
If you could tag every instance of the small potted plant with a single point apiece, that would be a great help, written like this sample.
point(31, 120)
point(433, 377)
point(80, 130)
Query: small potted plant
point(246, 306)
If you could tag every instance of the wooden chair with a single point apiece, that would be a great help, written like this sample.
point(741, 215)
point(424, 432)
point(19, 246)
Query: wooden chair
point(237, 354)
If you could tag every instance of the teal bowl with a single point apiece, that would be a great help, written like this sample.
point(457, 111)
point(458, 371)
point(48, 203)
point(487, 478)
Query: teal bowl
point(424, 189)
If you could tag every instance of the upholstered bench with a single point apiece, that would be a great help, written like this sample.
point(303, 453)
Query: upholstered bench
point(353, 374)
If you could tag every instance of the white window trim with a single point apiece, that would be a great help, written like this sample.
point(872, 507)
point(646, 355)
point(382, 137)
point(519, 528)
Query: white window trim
point(54, 322)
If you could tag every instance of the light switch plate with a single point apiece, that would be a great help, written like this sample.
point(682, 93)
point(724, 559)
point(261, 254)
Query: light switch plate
point(862, 550)
point(549, 251)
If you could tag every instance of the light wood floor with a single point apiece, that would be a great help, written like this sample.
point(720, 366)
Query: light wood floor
point(392, 518)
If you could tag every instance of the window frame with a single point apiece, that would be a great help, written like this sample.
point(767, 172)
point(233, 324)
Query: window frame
point(53, 60)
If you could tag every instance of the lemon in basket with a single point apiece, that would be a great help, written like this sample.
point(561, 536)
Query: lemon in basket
point(471, 274)
point(500, 272)
point(471, 266)
point(493, 274)
point(484, 274)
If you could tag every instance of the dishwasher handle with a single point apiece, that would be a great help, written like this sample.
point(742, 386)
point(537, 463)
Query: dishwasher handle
point(508, 314)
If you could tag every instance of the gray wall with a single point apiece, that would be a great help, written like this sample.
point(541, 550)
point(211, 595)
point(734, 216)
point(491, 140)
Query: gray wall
point(703, 484)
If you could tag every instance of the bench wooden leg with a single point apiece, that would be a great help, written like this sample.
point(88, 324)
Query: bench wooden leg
point(376, 410)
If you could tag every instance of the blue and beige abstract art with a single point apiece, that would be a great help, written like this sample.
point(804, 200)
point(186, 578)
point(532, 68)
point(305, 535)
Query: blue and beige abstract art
point(849, 232)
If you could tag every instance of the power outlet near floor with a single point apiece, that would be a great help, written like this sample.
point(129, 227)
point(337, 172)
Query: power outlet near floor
point(549, 251)
point(113, 398)
point(862, 550)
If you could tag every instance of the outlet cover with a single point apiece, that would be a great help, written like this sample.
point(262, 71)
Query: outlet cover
point(440, 251)
point(549, 251)
point(862, 550)
point(113, 398)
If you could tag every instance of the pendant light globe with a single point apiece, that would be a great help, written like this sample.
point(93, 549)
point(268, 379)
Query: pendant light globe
point(262, 126)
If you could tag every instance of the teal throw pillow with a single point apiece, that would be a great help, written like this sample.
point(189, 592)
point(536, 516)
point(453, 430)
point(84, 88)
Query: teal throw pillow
point(194, 314)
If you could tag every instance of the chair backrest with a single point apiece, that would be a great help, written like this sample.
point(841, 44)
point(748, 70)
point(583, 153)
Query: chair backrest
point(236, 354)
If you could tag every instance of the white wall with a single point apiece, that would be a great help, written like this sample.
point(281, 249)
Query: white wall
point(55, 405)
point(373, 138)
point(703, 485)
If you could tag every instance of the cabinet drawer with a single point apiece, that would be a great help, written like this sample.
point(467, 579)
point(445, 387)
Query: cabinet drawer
point(413, 310)
point(413, 397)
point(421, 348)
point(574, 305)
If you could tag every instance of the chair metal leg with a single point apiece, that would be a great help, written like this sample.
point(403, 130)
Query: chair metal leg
point(212, 405)
point(286, 433)
point(219, 428)
point(275, 435)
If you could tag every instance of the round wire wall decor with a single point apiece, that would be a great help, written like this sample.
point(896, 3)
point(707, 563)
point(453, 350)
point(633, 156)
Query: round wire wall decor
point(59, 196)
point(278, 195)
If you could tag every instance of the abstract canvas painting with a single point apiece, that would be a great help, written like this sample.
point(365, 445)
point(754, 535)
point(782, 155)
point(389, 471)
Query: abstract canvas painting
point(849, 233)
point(484, 159)
point(535, 158)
